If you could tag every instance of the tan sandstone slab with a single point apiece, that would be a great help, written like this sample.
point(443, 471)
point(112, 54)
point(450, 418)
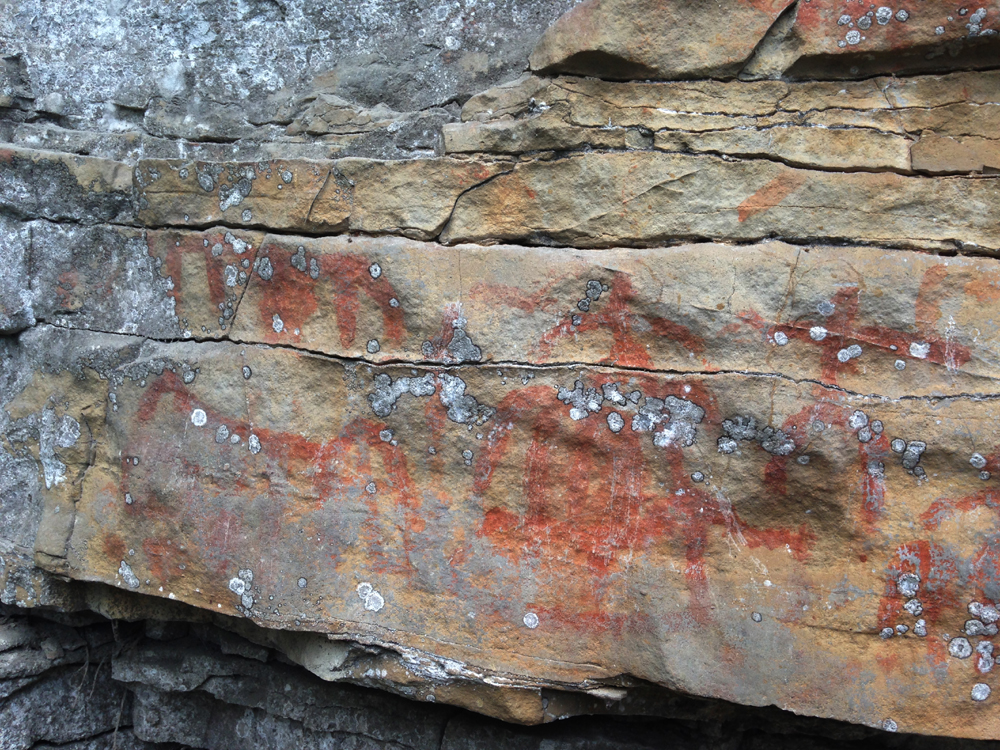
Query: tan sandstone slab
point(850, 148)
point(943, 154)
point(413, 198)
point(845, 125)
point(640, 198)
point(871, 321)
point(621, 40)
point(736, 536)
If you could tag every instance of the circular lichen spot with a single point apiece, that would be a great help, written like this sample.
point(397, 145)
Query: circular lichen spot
point(530, 620)
point(908, 584)
point(960, 648)
point(199, 418)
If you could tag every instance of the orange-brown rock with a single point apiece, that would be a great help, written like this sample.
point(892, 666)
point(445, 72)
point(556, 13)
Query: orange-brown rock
point(537, 528)
point(660, 381)
point(827, 39)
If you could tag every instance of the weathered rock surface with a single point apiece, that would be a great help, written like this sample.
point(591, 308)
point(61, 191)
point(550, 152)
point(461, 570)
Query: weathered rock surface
point(412, 198)
point(623, 40)
point(658, 398)
point(501, 522)
point(152, 685)
point(646, 199)
point(851, 126)
point(839, 40)
point(62, 187)
point(619, 40)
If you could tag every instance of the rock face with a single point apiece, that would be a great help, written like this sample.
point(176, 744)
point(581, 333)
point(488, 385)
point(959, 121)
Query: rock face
point(667, 398)
point(625, 39)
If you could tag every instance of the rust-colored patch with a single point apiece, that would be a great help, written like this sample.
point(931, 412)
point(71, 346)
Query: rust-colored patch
point(772, 194)
point(615, 315)
point(294, 295)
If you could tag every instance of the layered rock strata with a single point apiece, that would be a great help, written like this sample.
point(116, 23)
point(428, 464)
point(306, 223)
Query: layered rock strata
point(623, 386)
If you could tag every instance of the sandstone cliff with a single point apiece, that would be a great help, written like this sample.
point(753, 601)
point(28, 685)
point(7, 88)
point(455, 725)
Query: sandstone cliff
point(531, 361)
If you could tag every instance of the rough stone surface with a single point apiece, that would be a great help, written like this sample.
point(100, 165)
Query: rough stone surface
point(872, 125)
point(646, 199)
point(403, 197)
point(848, 40)
point(625, 39)
point(61, 187)
point(619, 40)
point(446, 576)
point(342, 406)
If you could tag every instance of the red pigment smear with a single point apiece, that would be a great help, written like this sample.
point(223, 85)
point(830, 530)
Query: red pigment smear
point(616, 317)
point(587, 505)
point(938, 570)
point(293, 295)
point(769, 196)
point(945, 508)
point(163, 245)
point(843, 331)
point(316, 471)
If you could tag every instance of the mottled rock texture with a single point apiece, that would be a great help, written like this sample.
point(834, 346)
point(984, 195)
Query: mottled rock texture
point(656, 382)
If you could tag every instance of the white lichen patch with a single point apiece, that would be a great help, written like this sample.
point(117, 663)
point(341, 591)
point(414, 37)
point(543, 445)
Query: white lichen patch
point(130, 578)
point(960, 648)
point(582, 401)
point(55, 432)
point(387, 391)
point(199, 418)
point(530, 620)
point(908, 584)
point(462, 407)
point(371, 599)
